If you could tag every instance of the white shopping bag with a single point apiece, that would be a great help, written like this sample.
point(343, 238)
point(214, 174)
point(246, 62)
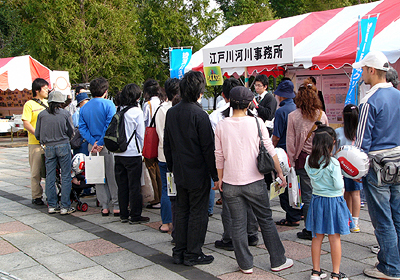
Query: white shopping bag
point(171, 187)
point(94, 169)
point(147, 187)
point(294, 189)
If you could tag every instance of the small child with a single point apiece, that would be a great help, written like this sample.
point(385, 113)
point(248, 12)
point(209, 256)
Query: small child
point(346, 135)
point(328, 212)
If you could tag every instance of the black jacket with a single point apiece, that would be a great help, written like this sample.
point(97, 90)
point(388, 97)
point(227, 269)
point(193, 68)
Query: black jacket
point(189, 145)
point(267, 107)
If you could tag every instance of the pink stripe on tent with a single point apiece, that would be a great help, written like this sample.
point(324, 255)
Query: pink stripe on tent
point(309, 24)
point(252, 32)
point(344, 48)
point(4, 61)
point(4, 81)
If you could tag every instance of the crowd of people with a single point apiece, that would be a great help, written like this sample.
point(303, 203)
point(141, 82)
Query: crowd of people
point(219, 152)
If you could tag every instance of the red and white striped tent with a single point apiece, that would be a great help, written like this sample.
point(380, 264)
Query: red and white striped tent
point(20, 71)
point(322, 40)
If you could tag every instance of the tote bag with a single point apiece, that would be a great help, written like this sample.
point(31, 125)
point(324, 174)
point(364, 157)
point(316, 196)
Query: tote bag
point(147, 187)
point(150, 146)
point(94, 169)
point(294, 189)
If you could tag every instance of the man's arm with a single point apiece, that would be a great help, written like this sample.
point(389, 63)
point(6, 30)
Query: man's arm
point(365, 126)
point(267, 107)
point(29, 127)
point(110, 114)
point(206, 137)
point(84, 129)
point(167, 144)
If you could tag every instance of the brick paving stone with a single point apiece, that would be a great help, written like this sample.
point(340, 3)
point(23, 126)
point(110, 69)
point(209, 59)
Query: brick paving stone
point(95, 247)
point(14, 261)
point(72, 236)
point(66, 262)
point(7, 248)
point(90, 273)
point(91, 211)
point(37, 272)
point(257, 274)
point(117, 262)
point(12, 227)
point(153, 272)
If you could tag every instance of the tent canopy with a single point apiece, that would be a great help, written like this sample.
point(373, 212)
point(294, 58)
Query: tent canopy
point(321, 39)
point(19, 72)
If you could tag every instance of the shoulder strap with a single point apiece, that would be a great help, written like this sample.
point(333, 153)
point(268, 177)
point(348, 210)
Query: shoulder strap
point(151, 113)
point(313, 127)
point(153, 119)
point(40, 102)
point(134, 132)
point(259, 132)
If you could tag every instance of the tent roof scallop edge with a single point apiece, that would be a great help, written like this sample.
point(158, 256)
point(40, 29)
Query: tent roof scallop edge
point(322, 40)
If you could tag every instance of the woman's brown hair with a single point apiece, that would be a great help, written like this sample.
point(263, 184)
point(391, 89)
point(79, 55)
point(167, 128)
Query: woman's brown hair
point(307, 100)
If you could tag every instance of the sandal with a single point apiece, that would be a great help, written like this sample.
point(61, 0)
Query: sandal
point(287, 223)
point(339, 276)
point(105, 214)
point(162, 231)
point(317, 275)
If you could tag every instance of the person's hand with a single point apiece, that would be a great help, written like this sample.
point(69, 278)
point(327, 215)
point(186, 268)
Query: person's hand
point(359, 180)
point(76, 181)
point(215, 186)
point(283, 178)
point(96, 148)
point(219, 184)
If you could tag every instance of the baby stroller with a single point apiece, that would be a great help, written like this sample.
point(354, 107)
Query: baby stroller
point(78, 182)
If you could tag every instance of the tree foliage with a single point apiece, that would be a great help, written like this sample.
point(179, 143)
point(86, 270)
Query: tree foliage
point(174, 23)
point(89, 38)
point(240, 12)
point(11, 39)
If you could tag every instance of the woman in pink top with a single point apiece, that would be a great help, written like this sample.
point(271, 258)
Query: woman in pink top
point(236, 150)
point(299, 139)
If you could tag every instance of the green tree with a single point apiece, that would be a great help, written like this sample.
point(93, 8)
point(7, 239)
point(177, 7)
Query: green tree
point(88, 38)
point(240, 12)
point(174, 23)
point(11, 39)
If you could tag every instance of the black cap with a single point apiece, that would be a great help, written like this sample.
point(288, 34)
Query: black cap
point(241, 94)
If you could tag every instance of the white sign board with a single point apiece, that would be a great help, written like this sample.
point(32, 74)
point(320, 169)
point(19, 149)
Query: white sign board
point(60, 81)
point(334, 89)
point(252, 54)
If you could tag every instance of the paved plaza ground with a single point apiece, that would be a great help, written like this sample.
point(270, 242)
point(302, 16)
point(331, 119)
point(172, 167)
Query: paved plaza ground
point(85, 245)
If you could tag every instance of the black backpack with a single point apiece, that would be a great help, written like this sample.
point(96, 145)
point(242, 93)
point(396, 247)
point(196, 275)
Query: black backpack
point(115, 137)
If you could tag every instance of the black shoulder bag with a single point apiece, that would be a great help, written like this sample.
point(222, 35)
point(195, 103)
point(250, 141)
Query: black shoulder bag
point(265, 162)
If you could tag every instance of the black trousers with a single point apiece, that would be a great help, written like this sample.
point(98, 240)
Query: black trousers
point(292, 214)
point(191, 220)
point(128, 171)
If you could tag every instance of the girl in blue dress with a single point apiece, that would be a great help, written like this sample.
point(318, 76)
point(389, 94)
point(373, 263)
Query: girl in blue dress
point(328, 212)
point(346, 135)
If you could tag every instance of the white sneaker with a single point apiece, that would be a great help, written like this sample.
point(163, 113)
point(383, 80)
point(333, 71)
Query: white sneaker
point(356, 228)
point(287, 264)
point(247, 271)
point(52, 210)
point(65, 211)
point(375, 249)
point(375, 273)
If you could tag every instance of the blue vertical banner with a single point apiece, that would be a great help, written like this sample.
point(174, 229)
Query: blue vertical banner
point(367, 33)
point(178, 60)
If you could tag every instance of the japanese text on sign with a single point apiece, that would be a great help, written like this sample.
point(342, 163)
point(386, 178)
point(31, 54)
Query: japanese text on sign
point(261, 53)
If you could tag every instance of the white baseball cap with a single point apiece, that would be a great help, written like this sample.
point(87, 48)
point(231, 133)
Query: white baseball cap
point(374, 59)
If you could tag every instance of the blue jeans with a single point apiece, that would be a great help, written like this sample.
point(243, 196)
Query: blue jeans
point(60, 154)
point(384, 210)
point(212, 199)
point(166, 213)
point(239, 199)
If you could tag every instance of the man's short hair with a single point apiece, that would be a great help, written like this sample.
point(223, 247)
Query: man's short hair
point(98, 87)
point(78, 89)
point(171, 87)
point(228, 85)
point(37, 85)
point(263, 79)
point(381, 74)
point(192, 85)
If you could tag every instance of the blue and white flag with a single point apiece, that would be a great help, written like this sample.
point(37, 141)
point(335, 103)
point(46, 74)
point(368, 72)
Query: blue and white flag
point(367, 33)
point(179, 59)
